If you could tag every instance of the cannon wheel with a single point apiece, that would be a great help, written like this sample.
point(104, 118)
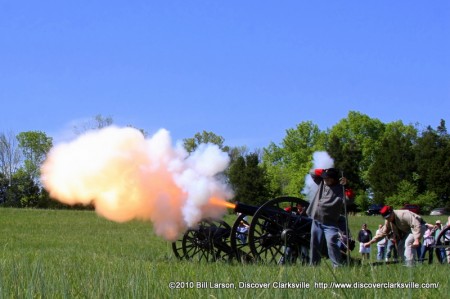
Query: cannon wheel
point(241, 250)
point(270, 230)
point(177, 248)
point(207, 242)
point(443, 240)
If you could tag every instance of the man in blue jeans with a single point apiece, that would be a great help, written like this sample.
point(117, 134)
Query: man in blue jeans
point(325, 210)
point(440, 252)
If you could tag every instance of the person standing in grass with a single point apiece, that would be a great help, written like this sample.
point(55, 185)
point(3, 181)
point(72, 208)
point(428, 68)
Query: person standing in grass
point(381, 245)
point(364, 236)
point(391, 248)
point(408, 229)
point(427, 246)
point(440, 252)
point(325, 210)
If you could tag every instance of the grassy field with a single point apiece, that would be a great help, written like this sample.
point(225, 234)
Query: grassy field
point(76, 254)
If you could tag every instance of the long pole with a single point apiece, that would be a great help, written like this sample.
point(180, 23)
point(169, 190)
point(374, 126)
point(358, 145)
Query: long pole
point(347, 232)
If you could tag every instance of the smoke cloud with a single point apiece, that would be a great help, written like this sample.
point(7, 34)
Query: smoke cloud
point(126, 177)
point(320, 160)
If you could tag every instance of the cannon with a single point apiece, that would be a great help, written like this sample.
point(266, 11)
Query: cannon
point(278, 233)
point(443, 239)
point(206, 242)
point(274, 232)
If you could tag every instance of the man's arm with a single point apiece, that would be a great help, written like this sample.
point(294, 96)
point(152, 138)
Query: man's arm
point(382, 233)
point(316, 175)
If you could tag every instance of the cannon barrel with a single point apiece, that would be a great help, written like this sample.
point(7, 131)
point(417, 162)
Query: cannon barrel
point(245, 209)
point(250, 210)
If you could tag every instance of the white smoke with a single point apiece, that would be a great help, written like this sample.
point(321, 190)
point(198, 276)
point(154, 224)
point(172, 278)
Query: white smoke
point(320, 160)
point(126, 176)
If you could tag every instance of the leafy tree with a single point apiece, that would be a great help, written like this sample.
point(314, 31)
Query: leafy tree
point(427, 201)
point(34, 145)
point(237, 151)
point(191, 144)
point(27, 190)
point(10, 157)
point(394, 160)
point(22, 192)
point(347, 157)
point(249, 180)
point(288, 164)
point(144, 133)
point(45, 202)
point(5, 183)
point(358, 135)
point(432, 156)
point(407, 192)
point(363, 200)
point(442, 129)
point(273, 161)
point(97, 122)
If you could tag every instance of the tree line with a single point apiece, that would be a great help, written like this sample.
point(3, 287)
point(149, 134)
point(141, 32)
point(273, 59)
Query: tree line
point(391, 163)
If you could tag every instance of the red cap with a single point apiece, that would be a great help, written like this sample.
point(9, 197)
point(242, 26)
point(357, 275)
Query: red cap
point(318, 171)
point(386, 211)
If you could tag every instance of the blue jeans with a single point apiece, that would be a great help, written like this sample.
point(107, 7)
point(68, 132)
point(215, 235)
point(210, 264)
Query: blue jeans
point(424, 251)
point(331, 234)
point(380, 252)
point(391, 249)
point(241, 235)
point(440, 253)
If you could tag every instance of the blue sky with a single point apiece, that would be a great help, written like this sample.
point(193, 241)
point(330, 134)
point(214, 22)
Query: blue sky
point(245, 70)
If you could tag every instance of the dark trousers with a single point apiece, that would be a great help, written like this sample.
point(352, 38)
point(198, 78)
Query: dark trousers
point(424, 250)
point(440, 253)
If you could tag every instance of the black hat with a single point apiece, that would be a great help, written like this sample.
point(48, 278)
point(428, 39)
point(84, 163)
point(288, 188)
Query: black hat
point(330, 173)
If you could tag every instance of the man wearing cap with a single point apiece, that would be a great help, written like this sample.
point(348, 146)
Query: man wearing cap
point(325, 210)
point(440, 252)
point(407, 228)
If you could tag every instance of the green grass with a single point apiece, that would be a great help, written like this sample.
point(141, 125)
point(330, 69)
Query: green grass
point(76, 254)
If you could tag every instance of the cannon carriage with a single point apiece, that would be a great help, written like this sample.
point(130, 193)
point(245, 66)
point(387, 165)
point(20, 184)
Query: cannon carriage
point(443, 240)
point(274, 232)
